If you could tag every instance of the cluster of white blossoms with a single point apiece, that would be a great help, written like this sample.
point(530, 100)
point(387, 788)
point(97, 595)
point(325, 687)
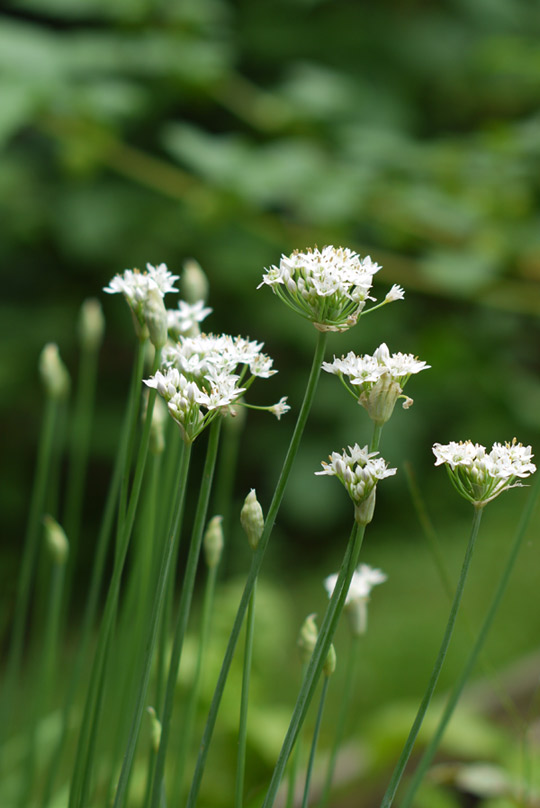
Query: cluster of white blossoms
point(377, 380)
point(136, 286)
point(363, 580)
point(480, 476)
point(206, 374)
point(329, 287)
point(359, 470)
point(184, 320)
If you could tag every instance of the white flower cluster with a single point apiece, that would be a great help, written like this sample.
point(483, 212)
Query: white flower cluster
point(201, 372)
point(139, 288)
point(184, 321)
point(329, 287)
point(363, 580)
point(359, 470)
point(480, 476)
point(377, 380)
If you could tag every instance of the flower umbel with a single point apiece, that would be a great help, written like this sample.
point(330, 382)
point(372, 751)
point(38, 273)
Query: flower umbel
point(376, 381)
point(329, 287)
point(480, 476)
point(362, 582)
point(135, 286)
point(359, 470)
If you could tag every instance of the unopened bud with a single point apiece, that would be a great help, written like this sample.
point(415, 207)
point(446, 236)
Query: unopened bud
point(157, 427)
point(91, 326)
point(307, 638)
point(194, 282)
point(155, 316)
point(54, 374)
point(364, 510)
point(252, 519)
point(56, 539)
point(330, 661)
point(381, 399)
point(155, 729)
point(213, 542)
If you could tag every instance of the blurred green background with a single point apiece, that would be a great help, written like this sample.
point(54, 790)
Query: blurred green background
point(139, 130)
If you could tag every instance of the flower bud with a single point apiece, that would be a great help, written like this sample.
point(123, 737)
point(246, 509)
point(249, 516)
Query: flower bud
point(155, 729)
point(307, 638)
point(157, 427)
point(56, 539)
point(252, 519)
point(155, 316)
point(381, 399)
point(356, 611)
point(330, 661)
point(364, 510)
point(213, 542)
point(54, 374)
point(194, 282)
point(91, 326)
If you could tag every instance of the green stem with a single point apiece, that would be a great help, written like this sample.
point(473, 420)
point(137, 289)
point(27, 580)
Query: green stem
point(96, 580)
point(473, 657)
point(344, 712)
point(193, 701)
point(79, 451)
point(397, 774)
point(316, 663)
point(31, 546)
point(313, 749)
point(185, 604)
point(168, 552)
point(244, 701)
point(84, 757)
point(295, 761)
point(256, 565)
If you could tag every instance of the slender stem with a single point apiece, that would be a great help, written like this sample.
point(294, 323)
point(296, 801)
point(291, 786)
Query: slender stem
point(185, 604)
point(295, 761)
point(152, 633)
point(96, 580)
point(376, 437)
point(473, 657)
point(31, 547)
point(83, 762)
point(244, 701)
point(79, 451)
point(397, 774)
point(315, 666)
point(344, 711)
point(193, 701)
point(256, 565)
point(313, 749)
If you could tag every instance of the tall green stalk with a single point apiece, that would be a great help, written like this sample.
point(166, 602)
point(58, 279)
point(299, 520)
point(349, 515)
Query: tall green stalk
point(316, 663)
point(193, 698)
point(256, 564)
point(185, 605)
point(170, 545)
point(30, 553)
point(84, 758)
point(453, 699)
point(244, 701)
point(314, 741)
point(344, 712)
point(397, 774)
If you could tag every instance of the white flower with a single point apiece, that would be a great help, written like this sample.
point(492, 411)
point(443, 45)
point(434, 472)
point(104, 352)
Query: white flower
point(359, 470)
point(363, 580)
point(480, 476)
point(280, 408)
point(135, 285)
point(395, 293)
point(377, 381)
point(329, 287)
point(186, 317)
